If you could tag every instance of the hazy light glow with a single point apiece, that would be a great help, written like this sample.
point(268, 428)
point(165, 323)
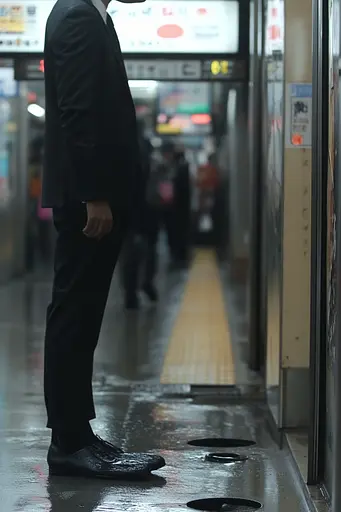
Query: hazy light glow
point(36, 110)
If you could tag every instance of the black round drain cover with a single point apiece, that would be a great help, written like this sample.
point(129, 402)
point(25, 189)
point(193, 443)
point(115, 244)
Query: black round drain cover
point(221, 442)
point(225, 458)
point(227, 504)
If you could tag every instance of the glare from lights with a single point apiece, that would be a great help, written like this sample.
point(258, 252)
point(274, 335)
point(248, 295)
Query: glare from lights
point(143, 84)
point(36, 110)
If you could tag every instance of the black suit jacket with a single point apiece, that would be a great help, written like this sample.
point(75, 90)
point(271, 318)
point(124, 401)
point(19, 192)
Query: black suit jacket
point(91, 145)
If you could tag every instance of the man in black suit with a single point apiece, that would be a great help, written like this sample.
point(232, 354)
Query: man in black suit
point(90, 178)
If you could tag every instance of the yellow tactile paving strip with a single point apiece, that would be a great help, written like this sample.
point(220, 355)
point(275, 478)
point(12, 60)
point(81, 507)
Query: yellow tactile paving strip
point(200, 350)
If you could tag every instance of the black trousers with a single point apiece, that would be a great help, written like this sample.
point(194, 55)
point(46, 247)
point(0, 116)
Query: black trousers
point(82, 278)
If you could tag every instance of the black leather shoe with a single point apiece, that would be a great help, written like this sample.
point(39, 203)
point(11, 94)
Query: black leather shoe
point(115, 450)
point(154, 462)
point(95, 462)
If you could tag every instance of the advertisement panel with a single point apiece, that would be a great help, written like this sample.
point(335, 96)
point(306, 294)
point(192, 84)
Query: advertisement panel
point(181, 26)
point(183, 108)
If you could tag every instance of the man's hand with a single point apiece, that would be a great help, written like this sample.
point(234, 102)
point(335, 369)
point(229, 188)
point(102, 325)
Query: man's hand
point(100, 219)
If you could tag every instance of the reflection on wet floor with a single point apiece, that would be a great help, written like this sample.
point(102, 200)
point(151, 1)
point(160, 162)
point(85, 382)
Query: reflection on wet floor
point(147, 421)
point(133, 410)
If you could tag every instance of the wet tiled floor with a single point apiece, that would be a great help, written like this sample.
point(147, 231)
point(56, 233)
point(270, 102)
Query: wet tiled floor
point(133, 410)
point(147, 421)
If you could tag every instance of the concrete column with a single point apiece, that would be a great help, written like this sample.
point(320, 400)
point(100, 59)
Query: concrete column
point(287, 222)
point(295, 335)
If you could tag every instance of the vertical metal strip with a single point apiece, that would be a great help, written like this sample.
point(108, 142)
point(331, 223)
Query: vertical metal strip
point(318, 239)
point(257, 345)
point(254, 288)
point(315, 255)
point(336, 466)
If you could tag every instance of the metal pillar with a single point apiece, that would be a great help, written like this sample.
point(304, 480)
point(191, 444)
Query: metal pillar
point(257, 344)
point(318, 239)
point(336, 466)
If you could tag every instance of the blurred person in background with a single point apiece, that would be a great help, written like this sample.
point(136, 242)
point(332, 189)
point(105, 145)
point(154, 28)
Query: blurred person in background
point(161, 201)
point(139, 255)
point(182, 208)
point(163, 188)
point(39, 219)
point(44, 219)
point(208, 184)
point(165, 202)
point(208, 176)
point(34, 195)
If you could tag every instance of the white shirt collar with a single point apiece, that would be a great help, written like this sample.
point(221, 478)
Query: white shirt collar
point(101, 9)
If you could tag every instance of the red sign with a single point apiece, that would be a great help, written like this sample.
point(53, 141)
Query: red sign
point(170, 31)
point(201, 118)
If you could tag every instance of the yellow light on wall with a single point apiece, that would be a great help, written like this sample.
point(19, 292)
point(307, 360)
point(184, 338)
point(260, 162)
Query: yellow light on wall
point(224, 67)
point(219, 67)
point(215, 67)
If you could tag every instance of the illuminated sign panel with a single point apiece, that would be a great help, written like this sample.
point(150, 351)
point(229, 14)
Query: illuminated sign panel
point(183, 108)
point(161, 70)
point(182, 26)
point(223, 70)
point(274, 40)
point(179, 26)
point(12, 19)
point(219, 67)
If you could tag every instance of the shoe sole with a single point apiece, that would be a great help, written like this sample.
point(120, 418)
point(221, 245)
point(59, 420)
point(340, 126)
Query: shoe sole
point(123, 476)
point(155, 467)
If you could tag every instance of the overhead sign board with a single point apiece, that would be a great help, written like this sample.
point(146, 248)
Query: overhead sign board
point(161, 70)
point(157, 26)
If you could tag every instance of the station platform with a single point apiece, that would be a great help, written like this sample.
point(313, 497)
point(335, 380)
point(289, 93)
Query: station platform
point(164, 376)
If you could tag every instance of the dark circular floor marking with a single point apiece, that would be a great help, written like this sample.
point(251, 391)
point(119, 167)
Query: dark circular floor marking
point(227, 504)
point(221, 442)
point(225, 458)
